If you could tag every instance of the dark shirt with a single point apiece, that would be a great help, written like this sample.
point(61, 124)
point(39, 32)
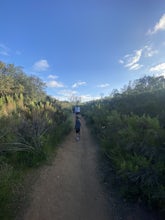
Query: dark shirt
point(78, 124)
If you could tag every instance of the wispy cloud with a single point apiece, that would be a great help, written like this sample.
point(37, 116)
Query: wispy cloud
point(54, 84)
point(133, 59)
point(73, 94)
point(135, 66)
point(130, 61)
point(66, 94)
point(87, 98)
point(41, 65)
point(52, 77)
point(158, 69)
point(79, 83)
point(159, 26)
point(149, 51)
point(4, 50)
point(103, 85)
point(60, 98)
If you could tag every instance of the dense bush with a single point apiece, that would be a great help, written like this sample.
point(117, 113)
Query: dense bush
point(31, 125)
point(11, 187)
point(132, 135)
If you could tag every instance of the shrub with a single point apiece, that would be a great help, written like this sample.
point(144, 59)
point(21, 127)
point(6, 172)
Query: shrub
point(135, 145)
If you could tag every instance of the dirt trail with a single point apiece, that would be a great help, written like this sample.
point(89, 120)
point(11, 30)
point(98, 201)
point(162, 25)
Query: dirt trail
point(70, 188)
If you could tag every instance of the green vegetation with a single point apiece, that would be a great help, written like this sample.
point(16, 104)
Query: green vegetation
point(31, 126)
point(130, 126)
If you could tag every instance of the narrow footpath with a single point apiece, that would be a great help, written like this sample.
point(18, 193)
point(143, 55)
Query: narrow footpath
point(70, 188)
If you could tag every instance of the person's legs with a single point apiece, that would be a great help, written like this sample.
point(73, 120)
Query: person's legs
point(77, 134)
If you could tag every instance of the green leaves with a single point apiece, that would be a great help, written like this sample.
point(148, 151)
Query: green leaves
point(130, 129)
point(14, 81)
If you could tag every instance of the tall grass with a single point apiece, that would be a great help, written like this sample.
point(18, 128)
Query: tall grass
point(14, 163)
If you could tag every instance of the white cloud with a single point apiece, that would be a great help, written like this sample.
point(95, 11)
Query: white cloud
point(135, 66)
point(67, 92)
point(4, 50)
point(77, 84)
point(149, 51)
point(133, 58)
point(52, 77)
point(60, 98)
point(66, 95)
point(41, 65)
point(103, 85)
point(130, 61)
point(87, 98)
point(158, 69)
point(69, 95)
point(160, 26)
point(54, 84)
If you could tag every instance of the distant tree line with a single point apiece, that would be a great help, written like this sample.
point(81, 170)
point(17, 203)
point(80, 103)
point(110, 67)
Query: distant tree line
point(130, 126)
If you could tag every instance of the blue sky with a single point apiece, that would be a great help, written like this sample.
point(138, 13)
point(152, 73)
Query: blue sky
point(84, 48)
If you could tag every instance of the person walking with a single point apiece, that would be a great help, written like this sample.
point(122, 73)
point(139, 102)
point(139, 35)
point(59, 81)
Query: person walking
point(77, 128)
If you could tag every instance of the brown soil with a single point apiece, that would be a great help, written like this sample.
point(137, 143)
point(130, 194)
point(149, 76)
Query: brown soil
point(71, 187)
